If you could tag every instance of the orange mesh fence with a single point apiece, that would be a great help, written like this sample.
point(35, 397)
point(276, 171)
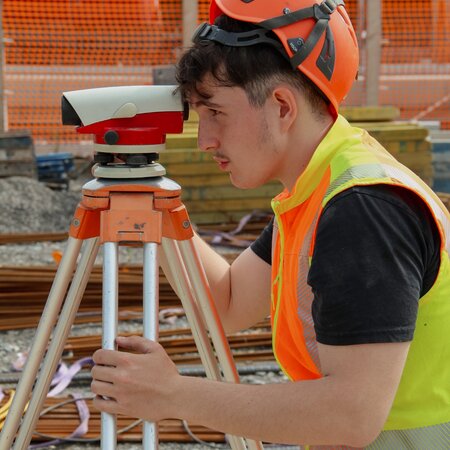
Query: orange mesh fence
point(415, 57)
point(53, 46)
point(415, 67)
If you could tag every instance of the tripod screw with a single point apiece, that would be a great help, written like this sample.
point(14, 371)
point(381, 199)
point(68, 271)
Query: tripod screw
point(186, 224)
point(76, 222)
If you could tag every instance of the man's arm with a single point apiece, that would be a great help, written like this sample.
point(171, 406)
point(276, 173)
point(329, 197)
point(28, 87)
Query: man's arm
point(348, 406)
point(241, 290)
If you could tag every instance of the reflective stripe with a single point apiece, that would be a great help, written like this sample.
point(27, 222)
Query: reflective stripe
point(436, 437)
point(372, 171)
point(305, 296)
point(425, 438)
point(439, 213)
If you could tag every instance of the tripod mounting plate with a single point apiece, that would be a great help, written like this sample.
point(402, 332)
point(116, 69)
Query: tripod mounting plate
point(161, 183)
point(127, 171)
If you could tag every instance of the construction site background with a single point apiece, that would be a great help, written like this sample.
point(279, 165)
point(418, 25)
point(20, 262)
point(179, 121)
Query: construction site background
point(51, 46)
point(47, 47)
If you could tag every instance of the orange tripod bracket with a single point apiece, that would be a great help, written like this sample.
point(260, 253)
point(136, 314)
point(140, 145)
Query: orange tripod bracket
point(120, 212)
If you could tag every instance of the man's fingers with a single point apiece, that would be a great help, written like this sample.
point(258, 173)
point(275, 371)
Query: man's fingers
point(137, 343)
point(101, 373)
point(103, 389)
point(134, 343)
point(106, 357)
point(106, 405)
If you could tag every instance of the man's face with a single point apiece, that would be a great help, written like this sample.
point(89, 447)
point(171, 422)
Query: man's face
point(237, 135)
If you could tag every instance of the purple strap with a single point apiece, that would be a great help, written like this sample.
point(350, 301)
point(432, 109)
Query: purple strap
point(64, 375)
point(82, 428)
point(83, 412)
point(60, 381)
point(220, 236)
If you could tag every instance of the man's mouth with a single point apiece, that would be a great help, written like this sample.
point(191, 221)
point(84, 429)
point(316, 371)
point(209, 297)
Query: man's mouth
point(222, 162)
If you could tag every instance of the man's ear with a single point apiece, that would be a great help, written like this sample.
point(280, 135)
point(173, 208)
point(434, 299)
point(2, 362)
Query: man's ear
point(287, 107)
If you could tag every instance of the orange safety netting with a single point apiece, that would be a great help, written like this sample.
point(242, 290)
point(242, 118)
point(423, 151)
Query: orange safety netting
point(53, 46)
point(415, 57)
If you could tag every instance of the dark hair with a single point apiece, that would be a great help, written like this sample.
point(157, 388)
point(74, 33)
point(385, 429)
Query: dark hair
point(256, 69)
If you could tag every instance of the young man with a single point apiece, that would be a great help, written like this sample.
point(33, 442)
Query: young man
point(354, 270)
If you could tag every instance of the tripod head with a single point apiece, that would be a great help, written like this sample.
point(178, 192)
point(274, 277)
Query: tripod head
point(129, 124)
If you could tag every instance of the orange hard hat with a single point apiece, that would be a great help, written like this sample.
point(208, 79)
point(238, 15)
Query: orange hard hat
point(316, 35)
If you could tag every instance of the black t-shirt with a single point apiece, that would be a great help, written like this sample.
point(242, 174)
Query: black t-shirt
point(377, 252)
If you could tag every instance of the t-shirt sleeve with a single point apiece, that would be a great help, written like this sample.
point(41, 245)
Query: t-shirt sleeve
point(262, 246)
point(371, 255)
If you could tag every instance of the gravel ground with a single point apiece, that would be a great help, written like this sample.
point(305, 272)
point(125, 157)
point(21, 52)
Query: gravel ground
point(29, 206)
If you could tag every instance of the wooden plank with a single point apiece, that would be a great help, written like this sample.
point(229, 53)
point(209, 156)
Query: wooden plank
point(184, 155)
point(398, 133)
point(215, 217)
point(192, 169)
point(17, 169)
point(182, 141)
point(367, 125)
point(420, 164)
point(230, 192)
point(224, 205)
point(17, 154)
point(398, 147)
point(210, 180)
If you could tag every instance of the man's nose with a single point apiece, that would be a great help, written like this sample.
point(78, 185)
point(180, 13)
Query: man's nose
point(206, 139)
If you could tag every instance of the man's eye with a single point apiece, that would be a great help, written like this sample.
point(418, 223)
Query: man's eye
point(214, 112)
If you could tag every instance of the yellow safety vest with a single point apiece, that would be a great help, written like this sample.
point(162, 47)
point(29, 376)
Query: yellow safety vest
point(349, 156)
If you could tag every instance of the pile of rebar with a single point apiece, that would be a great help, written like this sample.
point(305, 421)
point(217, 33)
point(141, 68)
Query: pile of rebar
point(252, 345)
point(24, 292)
point(60, 418)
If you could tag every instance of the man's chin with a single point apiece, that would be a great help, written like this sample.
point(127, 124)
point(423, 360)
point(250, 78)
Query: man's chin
point(244, 184)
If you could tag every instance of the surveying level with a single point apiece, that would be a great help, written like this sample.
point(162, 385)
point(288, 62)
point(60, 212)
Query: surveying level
point(128, 202)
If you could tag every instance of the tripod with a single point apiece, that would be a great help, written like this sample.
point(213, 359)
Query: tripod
point(114, 211)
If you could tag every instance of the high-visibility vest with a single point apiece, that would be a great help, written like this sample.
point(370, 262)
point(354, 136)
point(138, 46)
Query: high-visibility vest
point(349, 156)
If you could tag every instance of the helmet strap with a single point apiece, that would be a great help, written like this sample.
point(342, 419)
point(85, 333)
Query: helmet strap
point(208, 32)
point(302, 49)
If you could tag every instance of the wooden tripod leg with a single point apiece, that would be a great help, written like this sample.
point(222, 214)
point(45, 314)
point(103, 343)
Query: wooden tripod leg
point(196, 321)
point(206, 303)
point(192, 293)
point(41, 338)
point(56, 346)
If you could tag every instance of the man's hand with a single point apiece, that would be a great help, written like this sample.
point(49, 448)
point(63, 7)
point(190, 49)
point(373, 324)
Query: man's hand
point(137, 384)
point(347, 406)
